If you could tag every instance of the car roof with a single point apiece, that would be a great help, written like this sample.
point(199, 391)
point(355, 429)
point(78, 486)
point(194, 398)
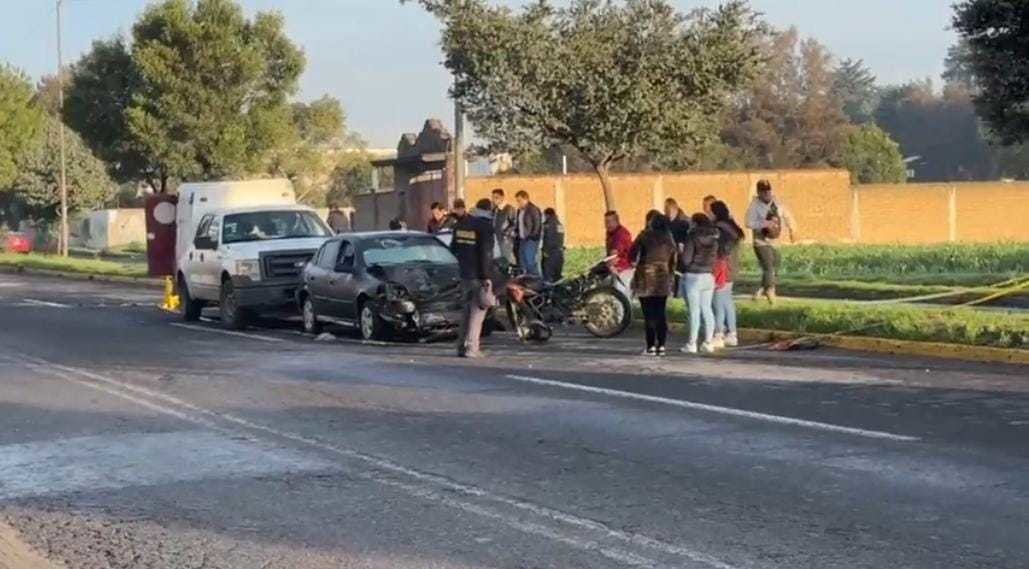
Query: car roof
point(366, 235)
point(260, 208)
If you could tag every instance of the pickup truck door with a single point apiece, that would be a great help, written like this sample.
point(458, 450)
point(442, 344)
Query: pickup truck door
point(196, 260)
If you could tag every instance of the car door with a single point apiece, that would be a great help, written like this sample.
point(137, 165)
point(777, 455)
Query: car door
point(317, 277)
point(343, 283)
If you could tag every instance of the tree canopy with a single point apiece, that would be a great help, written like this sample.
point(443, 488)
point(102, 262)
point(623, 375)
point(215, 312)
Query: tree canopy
point(613, 80)
point(996, 33)
point(873, 157)
point(20, 121)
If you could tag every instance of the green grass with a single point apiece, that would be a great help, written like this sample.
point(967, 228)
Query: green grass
point(950, 325)
point(73, 265)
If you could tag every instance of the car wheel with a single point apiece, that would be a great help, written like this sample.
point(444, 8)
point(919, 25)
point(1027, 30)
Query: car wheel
point(311, 323)
point(234, 316)
point(190, 308)
point(372, 327)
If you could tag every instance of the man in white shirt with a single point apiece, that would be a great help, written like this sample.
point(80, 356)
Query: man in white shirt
point(767, 218)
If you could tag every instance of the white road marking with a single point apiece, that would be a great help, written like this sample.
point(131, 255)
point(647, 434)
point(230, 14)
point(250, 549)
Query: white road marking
point(427, 480)
point(35, 302)
point(718, 409)
point(139, 459)
point(227, 332)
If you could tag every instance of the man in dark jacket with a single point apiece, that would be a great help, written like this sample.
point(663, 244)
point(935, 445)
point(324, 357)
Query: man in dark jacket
point(678, 222)
point(437, 218)
point(530, 232)
point(553, 246)
point(472, 244)
point(505, 225)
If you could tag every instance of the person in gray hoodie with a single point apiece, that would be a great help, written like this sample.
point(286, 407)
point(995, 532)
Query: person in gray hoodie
point(698, 284)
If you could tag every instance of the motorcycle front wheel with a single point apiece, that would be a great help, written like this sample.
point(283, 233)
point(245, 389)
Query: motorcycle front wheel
point(606, 312)
point(527, 329)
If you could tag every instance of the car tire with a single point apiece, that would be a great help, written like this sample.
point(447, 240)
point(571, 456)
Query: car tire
point(370, 325)
point(188, 307)
point(310, 317)
point(234, 316)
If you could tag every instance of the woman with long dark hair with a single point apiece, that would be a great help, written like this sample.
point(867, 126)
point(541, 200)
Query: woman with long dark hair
point(654, 253)
point(698, 284)
point(726, 268)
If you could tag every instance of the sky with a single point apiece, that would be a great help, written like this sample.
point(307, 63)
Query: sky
point(382, 59)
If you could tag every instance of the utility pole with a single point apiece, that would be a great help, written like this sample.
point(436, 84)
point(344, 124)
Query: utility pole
point(60, 121)
point(459, 162)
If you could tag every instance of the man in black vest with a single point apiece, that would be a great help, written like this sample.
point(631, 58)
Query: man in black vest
point(472, 244)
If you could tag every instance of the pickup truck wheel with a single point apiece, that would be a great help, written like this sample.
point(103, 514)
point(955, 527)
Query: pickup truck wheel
point(372, 327)
point(311, 323)
point(234, 317)
point(190, 308)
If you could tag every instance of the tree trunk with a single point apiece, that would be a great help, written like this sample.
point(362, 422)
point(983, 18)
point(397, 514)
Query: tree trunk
point(605, 182)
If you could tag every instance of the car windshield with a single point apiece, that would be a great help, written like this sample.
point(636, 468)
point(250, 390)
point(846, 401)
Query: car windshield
point(403, 250)
point(266, 225)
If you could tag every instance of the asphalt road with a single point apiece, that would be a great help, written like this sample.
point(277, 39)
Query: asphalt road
point(128, 440)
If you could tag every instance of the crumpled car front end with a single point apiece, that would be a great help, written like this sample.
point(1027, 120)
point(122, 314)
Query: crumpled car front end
point(421, 304)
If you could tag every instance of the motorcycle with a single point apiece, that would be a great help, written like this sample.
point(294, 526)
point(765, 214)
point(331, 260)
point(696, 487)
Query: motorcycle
point(591, 299)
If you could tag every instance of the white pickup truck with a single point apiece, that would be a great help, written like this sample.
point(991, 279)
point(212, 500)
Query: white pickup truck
point(246, 260)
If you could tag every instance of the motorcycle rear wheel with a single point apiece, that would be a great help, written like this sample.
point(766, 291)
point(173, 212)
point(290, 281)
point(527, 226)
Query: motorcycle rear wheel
point(606, 312)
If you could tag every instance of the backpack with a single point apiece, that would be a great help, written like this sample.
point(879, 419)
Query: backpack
point(774, 230)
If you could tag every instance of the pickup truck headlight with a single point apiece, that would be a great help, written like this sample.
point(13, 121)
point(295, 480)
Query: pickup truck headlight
point(250, 268)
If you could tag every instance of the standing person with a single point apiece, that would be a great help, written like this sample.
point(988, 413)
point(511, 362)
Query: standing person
point(766, 217)
point(337, 220)
point(397, 224)
point(473, 246)
point(553, 246)
point(619, 242)
point(697, 265)
point(729, 236)
point(505, 225)
point(678, 221)
point(706, 206)
point(437, 219)
point(654, 253)
point(530, 232)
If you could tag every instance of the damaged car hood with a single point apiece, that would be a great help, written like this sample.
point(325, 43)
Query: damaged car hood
point(423, 281)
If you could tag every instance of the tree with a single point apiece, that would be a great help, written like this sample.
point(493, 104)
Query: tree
point(614, 80)
point(873, 157)
point(789, 117)
point(100, 89)
point(38, 180)
point(854, 85)
point(353, 174)
point(20, 121)
point(997, 35)
point(211, 100)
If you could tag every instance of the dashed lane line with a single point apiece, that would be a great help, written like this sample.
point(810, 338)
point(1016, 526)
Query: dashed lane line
point(732, 411)
point(46, 303)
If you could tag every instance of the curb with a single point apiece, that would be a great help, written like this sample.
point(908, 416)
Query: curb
point(985, 354)
point(131, 281)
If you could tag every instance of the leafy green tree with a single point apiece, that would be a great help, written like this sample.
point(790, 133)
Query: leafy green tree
point(612, 79)
point(352, 174)
point(20, 121)
point(211, 100)
point(100, 89)
point(789, 117)
point(997, 36)
point(854, 85)
point(38, 182)
point(873, 157)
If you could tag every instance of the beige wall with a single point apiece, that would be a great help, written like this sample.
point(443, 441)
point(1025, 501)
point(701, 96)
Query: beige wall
point(827, 208)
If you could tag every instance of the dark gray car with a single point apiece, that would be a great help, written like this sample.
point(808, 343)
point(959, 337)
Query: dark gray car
point(382, 284)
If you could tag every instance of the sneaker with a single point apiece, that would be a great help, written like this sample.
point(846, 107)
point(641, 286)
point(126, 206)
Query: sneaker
point(731, 340)
point(690, 348)
point(707, 348)
point(661, 352)
point(651, 351)
point(718, 342)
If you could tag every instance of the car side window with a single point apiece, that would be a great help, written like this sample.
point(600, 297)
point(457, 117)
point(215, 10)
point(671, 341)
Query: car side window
point(347, 255)
point(205, 224)
point(214, 231)
point(327, 257)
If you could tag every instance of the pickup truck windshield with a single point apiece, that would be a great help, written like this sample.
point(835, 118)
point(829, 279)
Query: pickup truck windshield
point(267, 225)
point(415, 249)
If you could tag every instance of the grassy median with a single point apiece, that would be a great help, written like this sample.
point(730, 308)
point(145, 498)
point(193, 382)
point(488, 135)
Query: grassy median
point(73, 265)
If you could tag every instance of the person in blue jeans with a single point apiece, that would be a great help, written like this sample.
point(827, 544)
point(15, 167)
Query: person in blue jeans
point(530, 233)
point(730, 234)
point(698, 284)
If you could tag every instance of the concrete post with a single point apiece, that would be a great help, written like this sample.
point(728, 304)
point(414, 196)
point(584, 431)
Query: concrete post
point(952, 214)
point(559, 199)
point(657, 193)
point(855, 214)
